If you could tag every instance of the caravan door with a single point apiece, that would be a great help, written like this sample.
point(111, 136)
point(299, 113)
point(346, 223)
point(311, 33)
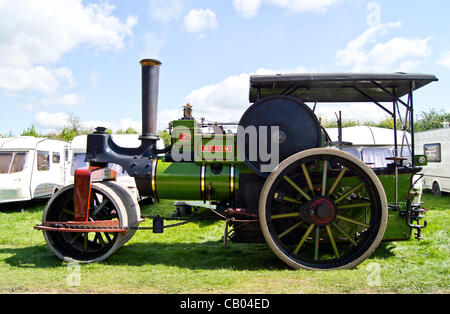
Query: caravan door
point(67, 164)
point(48, 169)
point(42, 174)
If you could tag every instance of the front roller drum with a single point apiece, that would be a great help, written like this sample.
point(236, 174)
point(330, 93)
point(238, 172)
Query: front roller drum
point(106, 205)
point(323, 209)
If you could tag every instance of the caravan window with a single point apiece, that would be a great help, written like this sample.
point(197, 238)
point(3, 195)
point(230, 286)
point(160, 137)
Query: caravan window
point(78, 162)
point(56, 158)
point(433, 152)
point(5, 161)
point(11, 162)
point(18, 162)
point(43, 161)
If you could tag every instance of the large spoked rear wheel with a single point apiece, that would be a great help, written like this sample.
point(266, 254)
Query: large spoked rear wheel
point(87, 247)
point(323, 209)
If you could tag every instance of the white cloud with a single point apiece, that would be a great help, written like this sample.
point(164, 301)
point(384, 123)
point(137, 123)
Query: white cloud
point(249, 8)
point(49, 121)
point(445, 60)
point(214, 101)
point(366, 53)
point(126, 123)
point(36, 34)
point(165, 116)
point(200, 20)
point(166, 10)
point(37, 78)
point(68, 100)
point(92, 124)
point(316, 6)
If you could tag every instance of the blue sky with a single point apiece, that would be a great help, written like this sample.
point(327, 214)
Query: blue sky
point(78, 57)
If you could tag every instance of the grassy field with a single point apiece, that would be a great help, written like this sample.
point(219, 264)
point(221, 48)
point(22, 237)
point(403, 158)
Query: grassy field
point(191, 259)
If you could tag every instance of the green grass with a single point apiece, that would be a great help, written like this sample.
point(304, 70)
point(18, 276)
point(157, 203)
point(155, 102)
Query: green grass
point(191, 259)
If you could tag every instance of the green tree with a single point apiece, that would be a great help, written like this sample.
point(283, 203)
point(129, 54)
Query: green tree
point(165, 136)
point(130, 130)
point(68, 134)
point(431, 119)
point(30, 132)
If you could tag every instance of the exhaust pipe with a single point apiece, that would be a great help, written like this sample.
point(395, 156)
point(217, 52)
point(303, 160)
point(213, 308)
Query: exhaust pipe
point(150, 87)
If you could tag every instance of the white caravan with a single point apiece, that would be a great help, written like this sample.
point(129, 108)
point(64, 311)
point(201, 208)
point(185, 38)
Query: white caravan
point(372, 144)
point(435, 144)
point(78, 154)
point(31, 167)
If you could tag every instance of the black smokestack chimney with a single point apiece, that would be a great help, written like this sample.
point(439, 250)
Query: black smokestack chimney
point(150, 86)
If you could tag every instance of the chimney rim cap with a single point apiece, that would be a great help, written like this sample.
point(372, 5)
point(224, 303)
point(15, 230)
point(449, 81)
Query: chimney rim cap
point(150, 62)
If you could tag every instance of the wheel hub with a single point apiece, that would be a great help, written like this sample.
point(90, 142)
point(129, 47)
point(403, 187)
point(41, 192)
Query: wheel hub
point(320, 211)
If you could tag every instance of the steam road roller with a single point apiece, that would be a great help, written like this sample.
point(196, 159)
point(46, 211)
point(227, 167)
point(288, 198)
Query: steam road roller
point(274, 176)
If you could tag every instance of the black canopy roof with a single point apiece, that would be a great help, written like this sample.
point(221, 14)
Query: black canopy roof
point(338, 87)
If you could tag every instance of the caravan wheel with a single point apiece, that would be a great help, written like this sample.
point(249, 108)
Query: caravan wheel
point(436, 190)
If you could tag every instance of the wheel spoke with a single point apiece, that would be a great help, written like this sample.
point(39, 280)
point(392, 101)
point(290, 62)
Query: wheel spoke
point(67, 211)
point(98, 235)
point(308, 179)
point(107, 237)
point(291, 200)
point(338, 179)
point(282, 216)
point(295, 186)
point(347, 206)
point(290, 229)
point(333, 244)
point(85, 244)
point(100, 207)
point(96, 198)
point(344, 233)
point(324, 177)
point(354, 189)
point(352, 221)
point(316, 245)
point(304, 238)
point(72, 241)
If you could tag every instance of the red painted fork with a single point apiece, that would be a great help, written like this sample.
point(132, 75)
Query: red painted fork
point(83, 188)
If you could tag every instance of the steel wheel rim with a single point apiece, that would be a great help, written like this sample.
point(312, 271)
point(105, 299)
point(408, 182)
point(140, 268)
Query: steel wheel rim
point(82, 247)
point(306, 251)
